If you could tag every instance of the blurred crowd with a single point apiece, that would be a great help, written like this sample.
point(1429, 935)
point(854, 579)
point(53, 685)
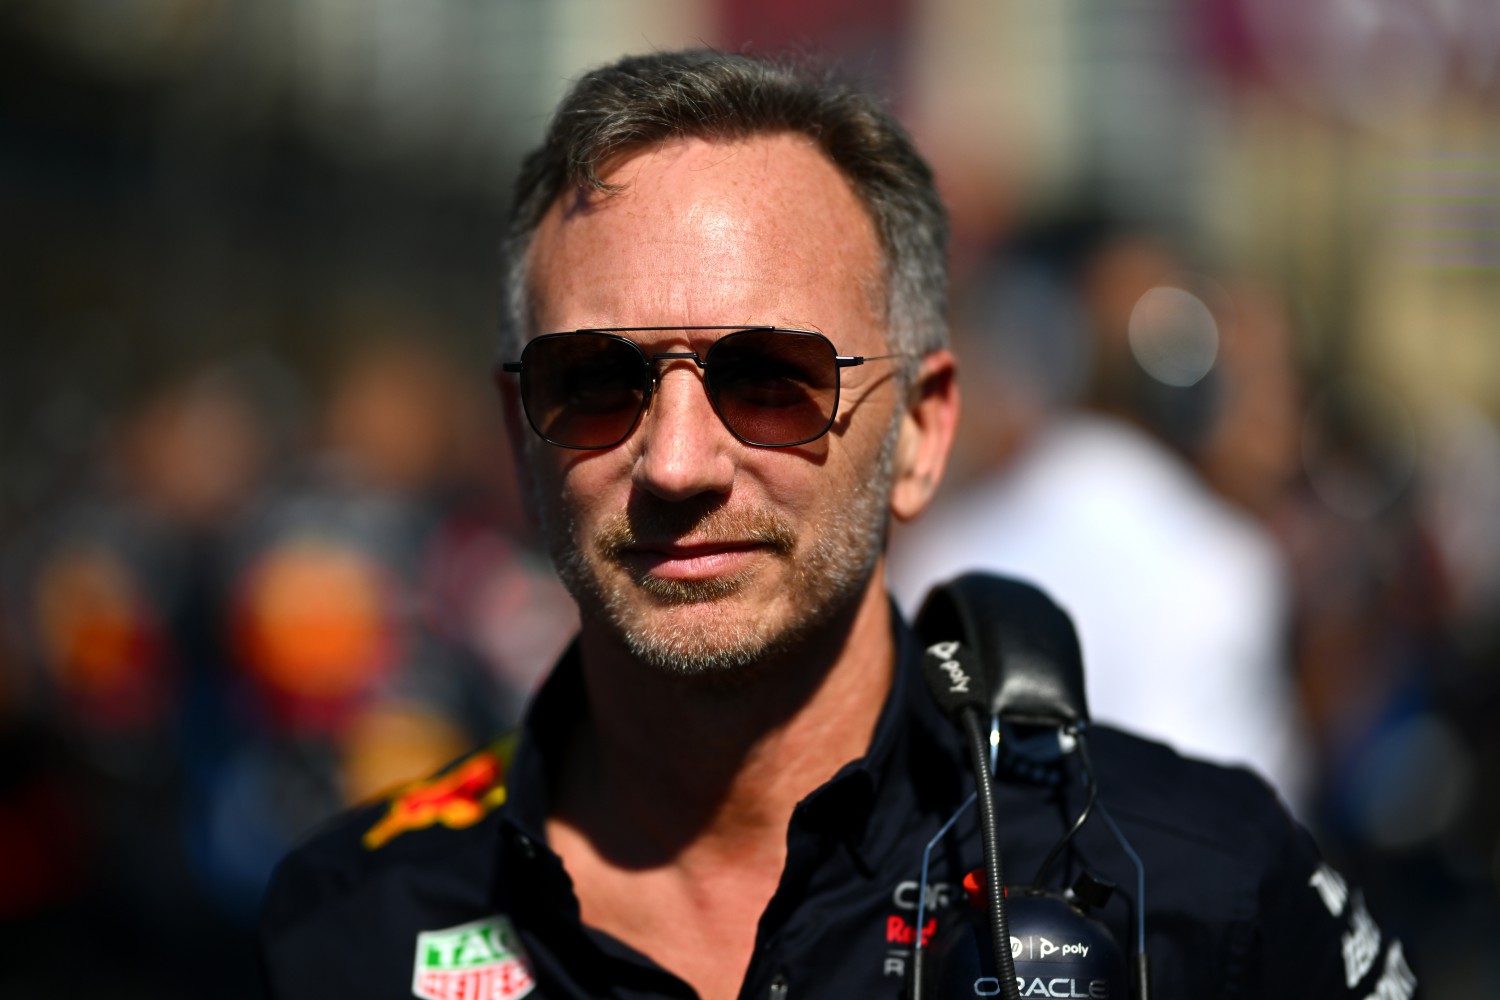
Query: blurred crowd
point(255, 612)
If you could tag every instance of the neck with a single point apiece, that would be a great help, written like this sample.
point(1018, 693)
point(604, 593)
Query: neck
point(667, 767)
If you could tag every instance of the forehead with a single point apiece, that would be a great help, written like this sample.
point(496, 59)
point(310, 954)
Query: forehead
point(699, 232)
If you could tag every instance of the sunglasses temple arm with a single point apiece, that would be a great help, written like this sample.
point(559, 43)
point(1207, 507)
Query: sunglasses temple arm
point(859, 359)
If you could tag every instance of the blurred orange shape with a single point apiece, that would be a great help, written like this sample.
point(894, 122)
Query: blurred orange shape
point(316, 621)
point(99, 635)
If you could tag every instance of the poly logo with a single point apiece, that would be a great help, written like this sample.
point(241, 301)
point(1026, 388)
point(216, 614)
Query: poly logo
point(481, 960)
point(1036, 948)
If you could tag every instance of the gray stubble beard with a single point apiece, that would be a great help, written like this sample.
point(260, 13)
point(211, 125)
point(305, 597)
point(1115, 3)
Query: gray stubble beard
point(831, 576)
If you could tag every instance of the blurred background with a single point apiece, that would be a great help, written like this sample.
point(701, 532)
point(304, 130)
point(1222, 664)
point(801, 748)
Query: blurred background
point(1226, 292)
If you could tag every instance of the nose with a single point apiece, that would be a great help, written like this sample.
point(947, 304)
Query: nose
point(682, 447)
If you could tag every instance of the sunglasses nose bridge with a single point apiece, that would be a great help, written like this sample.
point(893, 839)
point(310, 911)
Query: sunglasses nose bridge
point(653, 360)
point(654, 369)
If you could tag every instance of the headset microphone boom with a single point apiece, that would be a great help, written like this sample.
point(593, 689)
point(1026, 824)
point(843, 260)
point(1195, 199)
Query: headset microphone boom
point(1002, 652)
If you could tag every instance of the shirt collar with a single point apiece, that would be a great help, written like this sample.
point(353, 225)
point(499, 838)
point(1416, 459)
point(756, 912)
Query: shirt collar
point(555, 710)
point(908, 768)
point(908, 771)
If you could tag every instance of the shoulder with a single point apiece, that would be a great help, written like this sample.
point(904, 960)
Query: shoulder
point(1215, 803)
point(424, 856)
point(1240, 883)
point(425, 818)
point(1214, 839)
point(1214, 830)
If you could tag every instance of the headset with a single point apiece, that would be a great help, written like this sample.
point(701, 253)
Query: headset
point(1003, 657)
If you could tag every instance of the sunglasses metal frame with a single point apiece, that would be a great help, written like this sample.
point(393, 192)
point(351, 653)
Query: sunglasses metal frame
point(649, 365)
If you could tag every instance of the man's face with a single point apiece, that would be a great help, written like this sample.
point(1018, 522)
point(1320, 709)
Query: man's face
point(694, 551)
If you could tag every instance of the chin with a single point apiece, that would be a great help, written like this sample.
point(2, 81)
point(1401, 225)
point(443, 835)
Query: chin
point(703, 630)
point(695, 654)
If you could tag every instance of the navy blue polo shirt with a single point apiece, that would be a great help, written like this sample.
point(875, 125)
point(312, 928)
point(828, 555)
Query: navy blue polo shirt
point(449, 889)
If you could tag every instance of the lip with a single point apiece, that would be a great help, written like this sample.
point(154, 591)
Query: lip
point(692, 561)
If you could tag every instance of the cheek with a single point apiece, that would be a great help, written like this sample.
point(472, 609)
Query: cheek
point(788, 481)
point(810, 496)
point(549, 476)
point(586, 487)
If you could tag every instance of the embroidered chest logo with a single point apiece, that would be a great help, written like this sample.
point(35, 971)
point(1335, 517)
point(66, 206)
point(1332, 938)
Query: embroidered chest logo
point(481, 960)
point(457, 798)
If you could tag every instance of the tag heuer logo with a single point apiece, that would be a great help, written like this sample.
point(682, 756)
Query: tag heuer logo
point(476, 961)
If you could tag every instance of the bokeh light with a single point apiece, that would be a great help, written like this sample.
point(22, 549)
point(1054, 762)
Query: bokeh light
point(1173, 336)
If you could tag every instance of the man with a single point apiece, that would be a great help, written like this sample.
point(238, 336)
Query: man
point(725, 372)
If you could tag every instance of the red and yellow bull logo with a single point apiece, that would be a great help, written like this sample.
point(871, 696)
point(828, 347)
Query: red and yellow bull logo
point(457, 798)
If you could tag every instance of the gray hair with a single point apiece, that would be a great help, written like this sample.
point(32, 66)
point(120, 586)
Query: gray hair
point(641, 101)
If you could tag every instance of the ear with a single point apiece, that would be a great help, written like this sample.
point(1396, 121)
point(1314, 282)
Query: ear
point(926, 435)
point(518, 436)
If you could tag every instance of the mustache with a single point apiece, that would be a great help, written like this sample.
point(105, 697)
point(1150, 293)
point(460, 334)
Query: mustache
point(710, 522)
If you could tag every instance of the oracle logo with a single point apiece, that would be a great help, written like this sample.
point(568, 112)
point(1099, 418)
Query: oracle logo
point(1060, 987)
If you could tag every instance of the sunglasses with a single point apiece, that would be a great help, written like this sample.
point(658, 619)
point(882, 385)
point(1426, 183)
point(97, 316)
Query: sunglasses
point(772, 388)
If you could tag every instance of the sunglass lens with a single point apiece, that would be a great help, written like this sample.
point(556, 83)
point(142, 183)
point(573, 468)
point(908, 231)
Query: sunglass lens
point(774, 387)
point(583, 390)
